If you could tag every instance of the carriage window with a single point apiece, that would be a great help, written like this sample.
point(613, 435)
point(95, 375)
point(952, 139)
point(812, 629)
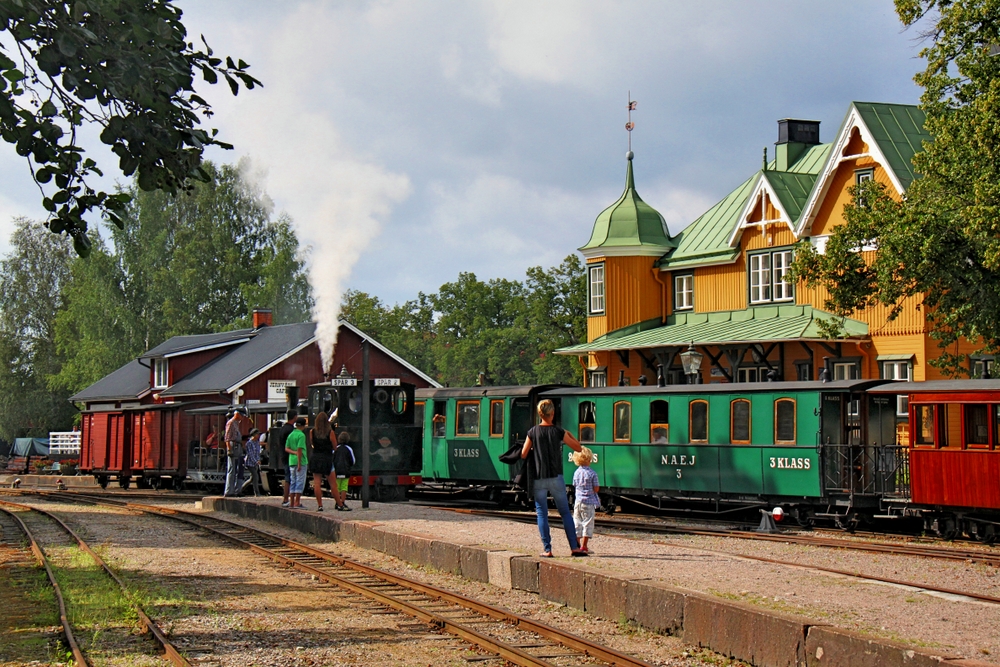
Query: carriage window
point(496, 418)
point(659, 422)
point(784, 421)
point(467, 418)
point(977, 426)
point(354, 401)
point(330, 400)
point(439, 419)
point(588, 422)
point(924, 431)
point(418, 413)
point(739, 421)
point(698, 421)
point(623, 421)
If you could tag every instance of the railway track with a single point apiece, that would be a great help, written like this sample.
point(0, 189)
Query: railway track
point(33, 531)
point(922, 550)
point(517, 639)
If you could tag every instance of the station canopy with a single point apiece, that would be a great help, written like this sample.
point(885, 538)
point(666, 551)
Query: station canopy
point(762, 324)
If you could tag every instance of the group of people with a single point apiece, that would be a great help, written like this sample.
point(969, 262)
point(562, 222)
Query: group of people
point(242, 456)
point(332, 459)
point(543, 445)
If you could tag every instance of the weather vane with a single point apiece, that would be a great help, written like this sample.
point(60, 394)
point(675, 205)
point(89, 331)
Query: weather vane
point(629, 126)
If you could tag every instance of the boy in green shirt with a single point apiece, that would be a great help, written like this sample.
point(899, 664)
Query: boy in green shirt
point(298, 461)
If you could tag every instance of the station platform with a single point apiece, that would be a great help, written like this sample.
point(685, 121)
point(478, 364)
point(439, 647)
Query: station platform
point(49, 481)
point(765, 614)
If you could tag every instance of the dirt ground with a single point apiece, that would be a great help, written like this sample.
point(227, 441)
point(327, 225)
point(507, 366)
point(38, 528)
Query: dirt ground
point(226, 606)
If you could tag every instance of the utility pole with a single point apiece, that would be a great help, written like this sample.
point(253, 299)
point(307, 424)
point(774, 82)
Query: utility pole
point(366, 430)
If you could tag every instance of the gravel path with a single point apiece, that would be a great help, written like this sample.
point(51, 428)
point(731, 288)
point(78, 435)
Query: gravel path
point(713, 565)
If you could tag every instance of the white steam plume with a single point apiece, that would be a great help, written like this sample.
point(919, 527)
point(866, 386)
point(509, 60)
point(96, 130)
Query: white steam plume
point(336, 198)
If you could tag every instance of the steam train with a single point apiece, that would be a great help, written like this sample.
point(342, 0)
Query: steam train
point(849, 452)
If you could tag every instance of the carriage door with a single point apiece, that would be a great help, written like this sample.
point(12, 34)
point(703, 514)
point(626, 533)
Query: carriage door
point(520, 422)
point(881, 441)
point(836, 459)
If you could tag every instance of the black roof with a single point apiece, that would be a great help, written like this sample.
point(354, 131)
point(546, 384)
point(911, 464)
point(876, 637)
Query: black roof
point(938, 386)
point(178, 344)
point(252, 408)
point(267, 346)
point(126, 383)
point(721, 388)
point(476, 392)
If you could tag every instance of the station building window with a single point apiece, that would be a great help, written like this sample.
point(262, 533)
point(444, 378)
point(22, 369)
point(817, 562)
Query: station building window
point(496, 418)
point(684, 292)
point(161, 374)
point(598, 378)
point(739, 422)
point(981, 365)
point(845, 370)
point(596, 289)
point(698, 421)
point(899, 370)
point(784, 421)
point(588, 421)
point(467, 418)
point(659, 422)
point(767, 276)
point(752, 374)
point(623, 421)
point(803, 371)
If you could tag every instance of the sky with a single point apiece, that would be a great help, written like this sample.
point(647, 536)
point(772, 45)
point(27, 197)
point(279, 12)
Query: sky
point(412, 141)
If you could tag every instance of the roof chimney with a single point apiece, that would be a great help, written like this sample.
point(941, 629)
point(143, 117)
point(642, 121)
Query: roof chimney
point(795, 137)
point(262, 318)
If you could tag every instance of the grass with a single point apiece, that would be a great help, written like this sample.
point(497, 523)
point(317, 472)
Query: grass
point(30, 614)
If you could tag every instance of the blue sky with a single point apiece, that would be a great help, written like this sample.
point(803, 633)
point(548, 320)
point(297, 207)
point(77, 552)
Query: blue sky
point(411, 141)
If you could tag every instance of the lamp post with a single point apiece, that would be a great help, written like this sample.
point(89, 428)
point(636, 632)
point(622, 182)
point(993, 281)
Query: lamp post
point(691, 363)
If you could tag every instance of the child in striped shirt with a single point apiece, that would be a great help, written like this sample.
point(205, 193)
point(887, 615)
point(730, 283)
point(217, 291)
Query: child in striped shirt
point(586, 486)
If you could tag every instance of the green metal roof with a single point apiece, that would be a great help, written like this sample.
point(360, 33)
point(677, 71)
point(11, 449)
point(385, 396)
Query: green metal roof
point(751, 325)
point(630, 222)
point(898, 129)
point(706, 240)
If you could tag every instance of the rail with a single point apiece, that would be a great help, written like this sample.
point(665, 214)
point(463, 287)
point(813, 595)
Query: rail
point(456, 614)
point(170, 652)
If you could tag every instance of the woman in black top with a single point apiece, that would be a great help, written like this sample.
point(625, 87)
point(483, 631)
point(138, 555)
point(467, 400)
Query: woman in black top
point(321, 461)
point(545, 476)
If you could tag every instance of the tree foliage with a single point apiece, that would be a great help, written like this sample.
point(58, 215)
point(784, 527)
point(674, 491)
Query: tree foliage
point(941, 242)
point(124, 66)
point(191, 263)
point(503, 328)
point(32, 279)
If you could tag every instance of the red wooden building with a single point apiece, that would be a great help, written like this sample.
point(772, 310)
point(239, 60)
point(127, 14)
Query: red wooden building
point(147, 420)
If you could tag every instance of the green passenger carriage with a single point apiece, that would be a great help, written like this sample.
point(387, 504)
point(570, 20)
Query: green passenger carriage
point(824, 448)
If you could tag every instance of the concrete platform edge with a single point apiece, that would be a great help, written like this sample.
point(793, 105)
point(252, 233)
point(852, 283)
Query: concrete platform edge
point(753, 634)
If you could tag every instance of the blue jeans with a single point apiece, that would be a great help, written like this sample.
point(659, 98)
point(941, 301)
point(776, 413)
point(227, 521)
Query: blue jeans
point(232, 468)
point(556, 487)
point(298, 482)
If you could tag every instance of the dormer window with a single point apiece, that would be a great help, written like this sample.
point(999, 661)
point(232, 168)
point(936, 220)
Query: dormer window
point(596, 284)
point(161, 377)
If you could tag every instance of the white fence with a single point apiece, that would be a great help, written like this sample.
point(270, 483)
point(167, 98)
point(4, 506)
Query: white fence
point(64, 442)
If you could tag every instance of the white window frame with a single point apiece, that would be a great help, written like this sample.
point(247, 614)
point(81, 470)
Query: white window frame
point(760, 278)
point(595, 289)
point(781, 289)
point(903, 405)
point(161, 373)
point(684, 292)
point(896, 370)
point(758, 373)
point(849, 368)
point(863, 176)
point(598, 379)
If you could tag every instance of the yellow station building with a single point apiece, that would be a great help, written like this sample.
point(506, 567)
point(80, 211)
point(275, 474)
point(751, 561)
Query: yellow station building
point(720, 283)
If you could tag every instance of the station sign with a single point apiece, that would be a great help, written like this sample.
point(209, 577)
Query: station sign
point(343, 382)
point(276, 390)
point(386, 382)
